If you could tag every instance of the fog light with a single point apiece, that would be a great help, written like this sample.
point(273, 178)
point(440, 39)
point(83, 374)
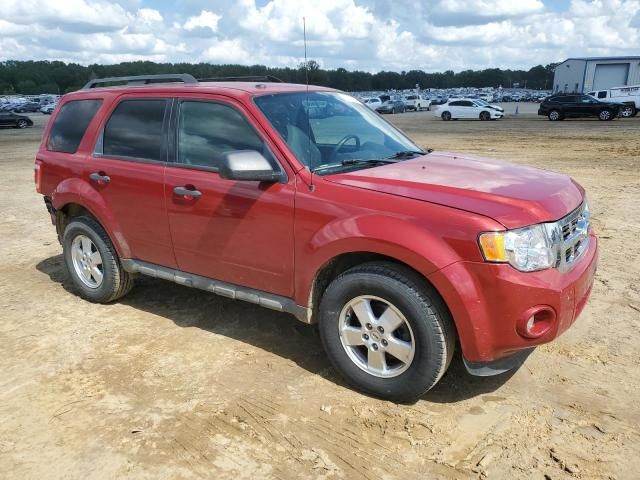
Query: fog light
point(536, 322)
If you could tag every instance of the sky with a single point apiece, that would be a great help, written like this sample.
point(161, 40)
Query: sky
point(370, 35)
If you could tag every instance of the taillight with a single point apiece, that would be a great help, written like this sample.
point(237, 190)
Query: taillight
point(37, 175)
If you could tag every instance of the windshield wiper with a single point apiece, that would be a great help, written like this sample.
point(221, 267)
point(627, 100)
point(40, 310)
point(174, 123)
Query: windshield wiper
point(409, 153)
point(354, 161)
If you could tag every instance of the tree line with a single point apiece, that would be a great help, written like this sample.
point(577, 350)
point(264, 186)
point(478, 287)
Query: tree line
point(35, 77)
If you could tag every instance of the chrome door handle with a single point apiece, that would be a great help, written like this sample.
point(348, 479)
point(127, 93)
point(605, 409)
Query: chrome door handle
point(99, 178)
point(185, 192)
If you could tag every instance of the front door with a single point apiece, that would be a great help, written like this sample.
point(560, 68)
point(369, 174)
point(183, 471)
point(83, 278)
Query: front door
point(240, 232)
point(127, 171)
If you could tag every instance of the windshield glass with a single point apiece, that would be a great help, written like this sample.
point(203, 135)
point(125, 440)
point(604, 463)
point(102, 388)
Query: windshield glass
point(480, 102)
point(331, 130)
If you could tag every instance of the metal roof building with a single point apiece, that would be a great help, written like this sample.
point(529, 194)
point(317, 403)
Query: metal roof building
point(596, 73)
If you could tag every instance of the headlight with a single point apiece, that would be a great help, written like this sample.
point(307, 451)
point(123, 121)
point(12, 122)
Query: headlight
point(527, 249)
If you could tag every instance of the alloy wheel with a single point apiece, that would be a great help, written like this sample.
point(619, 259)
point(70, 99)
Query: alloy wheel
point(627, 111)
point(87, 261)
point(376, 336)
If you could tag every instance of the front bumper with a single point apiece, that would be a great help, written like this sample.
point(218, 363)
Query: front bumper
point(488, 302)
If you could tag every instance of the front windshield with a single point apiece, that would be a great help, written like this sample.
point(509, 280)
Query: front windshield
point(332, 131)
point(481, 102)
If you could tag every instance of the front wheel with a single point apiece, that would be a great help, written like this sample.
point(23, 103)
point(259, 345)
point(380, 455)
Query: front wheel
point(628, 111)
point(21, 124)
point(386, 330)
point(93, 263)
point(485, 116)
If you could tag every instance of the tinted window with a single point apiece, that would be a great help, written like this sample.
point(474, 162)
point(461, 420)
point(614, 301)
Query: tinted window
point(571, 99)
point(135, 130)
point(466, 103)
point(456, 104)
point(207, 130)
point(70, 124)
point(602, 94)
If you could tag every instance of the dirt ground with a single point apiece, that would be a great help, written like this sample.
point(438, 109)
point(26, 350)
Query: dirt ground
point(177, 383)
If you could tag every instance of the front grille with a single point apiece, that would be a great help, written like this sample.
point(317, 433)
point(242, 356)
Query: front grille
point(574, 237)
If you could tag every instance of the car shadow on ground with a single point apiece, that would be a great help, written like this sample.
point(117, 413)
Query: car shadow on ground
point(275, 332)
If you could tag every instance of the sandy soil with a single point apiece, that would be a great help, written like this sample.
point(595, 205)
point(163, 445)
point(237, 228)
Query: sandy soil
point(176, 383)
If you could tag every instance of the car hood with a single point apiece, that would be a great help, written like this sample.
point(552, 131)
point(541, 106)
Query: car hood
point(511, 194)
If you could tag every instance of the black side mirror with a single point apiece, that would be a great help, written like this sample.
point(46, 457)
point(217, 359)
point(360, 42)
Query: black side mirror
point(247, 165)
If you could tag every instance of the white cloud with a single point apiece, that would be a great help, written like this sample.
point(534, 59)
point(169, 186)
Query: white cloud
point(206, 19)
point(364, 34)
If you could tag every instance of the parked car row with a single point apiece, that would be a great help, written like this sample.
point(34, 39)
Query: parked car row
point(398, 104)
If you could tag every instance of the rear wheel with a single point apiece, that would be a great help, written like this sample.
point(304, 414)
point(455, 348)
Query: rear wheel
point(93, 263)
point(554, 115)
point(386, 331)
point(485, 116)
point(446, 116)
point(605, 114)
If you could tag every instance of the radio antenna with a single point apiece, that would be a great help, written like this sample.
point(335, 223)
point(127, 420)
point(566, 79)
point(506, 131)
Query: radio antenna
point(306, 108)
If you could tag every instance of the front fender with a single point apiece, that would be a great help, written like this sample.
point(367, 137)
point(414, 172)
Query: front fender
point(75, 190)
point(393, 237)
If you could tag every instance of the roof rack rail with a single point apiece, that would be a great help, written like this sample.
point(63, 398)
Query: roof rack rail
point(247, 78)
point(142, 79)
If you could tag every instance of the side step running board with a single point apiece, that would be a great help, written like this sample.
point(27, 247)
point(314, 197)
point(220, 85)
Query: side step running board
point(229, 290)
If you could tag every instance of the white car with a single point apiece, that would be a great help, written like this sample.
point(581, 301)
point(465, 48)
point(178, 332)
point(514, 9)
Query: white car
point(372, 103)
point(416, 102)
point(468, 108)
point(48, 108)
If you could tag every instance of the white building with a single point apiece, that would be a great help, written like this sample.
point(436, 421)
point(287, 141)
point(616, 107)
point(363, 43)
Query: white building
point(596, 73)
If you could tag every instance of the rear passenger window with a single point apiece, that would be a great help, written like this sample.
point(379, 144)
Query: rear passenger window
point(602, 94)
point(70, 124)
point(135, 130)
point(207, 130)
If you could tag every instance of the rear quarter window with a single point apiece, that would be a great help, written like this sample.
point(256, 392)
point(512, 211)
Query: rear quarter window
point(70, 125)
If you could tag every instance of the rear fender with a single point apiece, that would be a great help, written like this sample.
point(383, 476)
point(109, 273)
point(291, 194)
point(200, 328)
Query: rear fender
point(75, 190)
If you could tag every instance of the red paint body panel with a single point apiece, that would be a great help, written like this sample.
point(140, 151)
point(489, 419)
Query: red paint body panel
point(514, 195)
point(426, 212)
point(486, 300)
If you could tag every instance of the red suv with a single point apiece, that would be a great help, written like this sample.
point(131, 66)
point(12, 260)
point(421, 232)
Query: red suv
point(303, 200)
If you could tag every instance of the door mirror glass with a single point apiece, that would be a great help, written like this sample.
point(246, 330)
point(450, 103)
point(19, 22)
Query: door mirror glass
point(247, 165)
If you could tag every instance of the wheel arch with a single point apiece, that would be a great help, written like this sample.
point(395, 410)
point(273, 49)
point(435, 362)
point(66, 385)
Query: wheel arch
point(74, 197)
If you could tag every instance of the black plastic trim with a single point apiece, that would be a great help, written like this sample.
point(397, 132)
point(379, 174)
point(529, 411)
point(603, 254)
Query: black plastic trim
point(496, 367)
point(224, 289)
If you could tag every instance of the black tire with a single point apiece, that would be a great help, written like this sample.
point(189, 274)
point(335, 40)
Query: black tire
point(485, 116)
point(555, 115)
point(429, 319)
point(115, 282)
point(605, 115)
point(446, 116)
point(21, 124)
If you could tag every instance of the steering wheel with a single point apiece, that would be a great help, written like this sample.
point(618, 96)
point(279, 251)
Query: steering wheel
point(341, 143)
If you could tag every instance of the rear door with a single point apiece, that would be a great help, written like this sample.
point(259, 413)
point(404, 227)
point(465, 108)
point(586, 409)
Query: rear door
point(240, 232)
point(467, 109)
point(126, 169)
